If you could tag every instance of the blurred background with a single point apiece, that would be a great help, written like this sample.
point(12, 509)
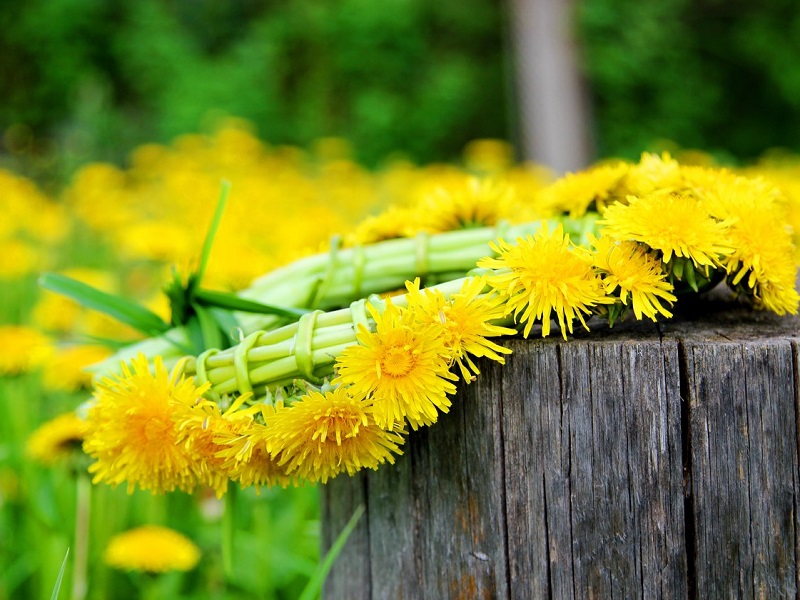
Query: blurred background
point(119, 119)
point(87, 80)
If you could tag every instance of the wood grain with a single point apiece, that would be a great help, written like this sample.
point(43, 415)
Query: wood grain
point(640, 462)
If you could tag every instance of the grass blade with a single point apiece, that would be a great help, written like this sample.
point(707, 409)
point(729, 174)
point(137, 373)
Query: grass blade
point(212, 232)
point(314, 586)
point(228, 531)
point(57, 587)
point(121, 309)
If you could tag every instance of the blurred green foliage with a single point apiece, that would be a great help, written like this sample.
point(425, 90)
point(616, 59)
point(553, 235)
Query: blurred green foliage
point(88, 79)
point(97, 77)
point(718, 75)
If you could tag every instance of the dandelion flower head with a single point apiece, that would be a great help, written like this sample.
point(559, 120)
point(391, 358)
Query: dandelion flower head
point(67, 369)
point(324, 434)
point(205, 427)
point(464, 202)
point(672, 223)
point(57, 438)
point(151, 549)
point(464, 321)
point(653, 173)
point(246, 457)
point(134, 428)
point(402, 368)
point(637, 274)
point(576, 192)
point(22, 349)
point(544, 275)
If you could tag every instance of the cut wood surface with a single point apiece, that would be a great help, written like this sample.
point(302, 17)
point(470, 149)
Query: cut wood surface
point(645, 461)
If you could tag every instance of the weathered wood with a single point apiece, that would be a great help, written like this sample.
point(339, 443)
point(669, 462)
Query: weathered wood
point(642, 462)
point(341, 498)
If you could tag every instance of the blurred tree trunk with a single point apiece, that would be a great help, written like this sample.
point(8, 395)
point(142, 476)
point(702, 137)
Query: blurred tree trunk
point(551, 95)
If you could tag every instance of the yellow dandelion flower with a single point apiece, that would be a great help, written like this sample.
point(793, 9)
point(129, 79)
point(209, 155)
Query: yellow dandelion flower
point(57, 438)
point(246, 458)
point(652, 173)
point(322, 435)
point(778, 293)
point(22, 349)
point(205, 428)
point(402, 368)
point(66, 370)
point(672, 223)
point(488, 155)
point(465, 202)
point(394, 222)
point(636, 272)
point(134, 428)
point(546, 274)
point(20, 258)
point(576, 192)
point(464, 322)
point(152, 549)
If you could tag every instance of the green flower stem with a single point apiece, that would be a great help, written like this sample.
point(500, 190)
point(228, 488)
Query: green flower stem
point(386, 266)
point(337, 278)
point(81, 560)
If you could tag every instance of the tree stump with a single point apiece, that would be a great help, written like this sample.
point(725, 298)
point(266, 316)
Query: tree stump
point(645, 461)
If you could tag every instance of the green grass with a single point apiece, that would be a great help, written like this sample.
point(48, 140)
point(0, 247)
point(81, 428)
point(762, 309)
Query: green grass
point(275, 546)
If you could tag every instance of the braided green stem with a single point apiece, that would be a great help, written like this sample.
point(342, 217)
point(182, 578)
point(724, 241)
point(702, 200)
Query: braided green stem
point(343, 275)
point(307, 349)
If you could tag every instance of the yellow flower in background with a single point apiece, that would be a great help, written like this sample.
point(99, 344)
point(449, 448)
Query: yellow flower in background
point(575, 193)
point(22, 349)
point(653, 173)
point(462, 202)
point(322, 435)
point(464, 321)
point(545, 275)
point(488, 156)
point(672, 223)
point(394, 222)
point(134, 428)
point(402, 368)
point(636, 272)
point(66, 369)
point(28, 213)
point(151, 549)
point(57, 438)
point(20, 258)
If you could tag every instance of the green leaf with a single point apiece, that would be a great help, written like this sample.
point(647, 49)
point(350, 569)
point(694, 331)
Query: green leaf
point(690, 278)
point(209, 328)
point(121, 309)
point(314, 584)
point(233, 302)
point(57, 587)
point(212, 232)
